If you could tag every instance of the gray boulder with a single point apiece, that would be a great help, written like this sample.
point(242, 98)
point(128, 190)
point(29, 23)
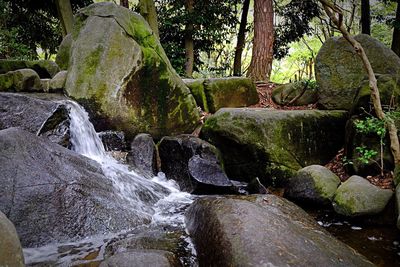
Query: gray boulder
point(142, 258)
point(215, 93)
point(339, 70)
point(273, 145)
point(194, 164)
point(113, 140)
point(262, 231)
point(52, 194)
point(357, 197)
point(285, 93)
point(22, 80)
point(143, 155)
point(44, 68)
point(10, 247)
point(57, 83)
point(313, 184)
point(122, 76)
point(45, 117)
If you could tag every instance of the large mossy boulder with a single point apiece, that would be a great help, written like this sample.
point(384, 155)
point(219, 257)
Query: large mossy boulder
point(313, 184)
point(118, 70)
point(215, 93)
point(52, 194)
point(339, 70)
point(262, 230)
point(22, 80)
point(285, 93)
point(45, 68)
point(36, 114)
point(271, 144)
point(357, 197)
point(10, 247)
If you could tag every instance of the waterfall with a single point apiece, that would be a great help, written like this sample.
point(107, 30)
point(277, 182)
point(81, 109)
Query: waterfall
point(157, 198)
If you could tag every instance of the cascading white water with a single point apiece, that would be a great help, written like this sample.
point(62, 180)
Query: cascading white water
point(158, 197)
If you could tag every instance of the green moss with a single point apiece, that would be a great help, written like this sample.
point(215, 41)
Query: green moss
point(6, 82)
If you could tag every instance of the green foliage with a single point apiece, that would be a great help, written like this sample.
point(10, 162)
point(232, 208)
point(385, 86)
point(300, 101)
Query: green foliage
point(213, 20)
point(365, 154)
point(371, 125)
point(26, 25)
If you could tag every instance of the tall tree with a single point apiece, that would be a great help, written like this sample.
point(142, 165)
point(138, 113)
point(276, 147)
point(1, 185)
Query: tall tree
point(237, 66)
point(396, 31)
point(365, 17)
point(124, 3)
point(149, 12)
point(64, 10)
point(189, 42)
point(263, 42)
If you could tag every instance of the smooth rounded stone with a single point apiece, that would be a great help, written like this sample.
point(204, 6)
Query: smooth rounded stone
point(39, 116)
point(313, 184)
point(143, 155)
point(23, 80)
point(262, 230)
point(357, 197)
point(177, 152)
point(230, 92)
point(52, 194)
point(273, 145)
point(10, 247)
point(142, 258)
point(285, 93)
point(339, 70)
point(44, 68)
point(57, 83)
point(120, 73)
point(45, 85)
point(113, 140)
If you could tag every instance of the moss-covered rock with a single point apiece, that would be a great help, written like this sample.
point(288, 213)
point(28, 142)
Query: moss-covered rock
point(272, 144)
point(389, 91)
point(196, 86)
point(357, 197)
point(313, 184)
point(213, 94)
point(119, 71)
point(44, 68)
point(285, 93)
point(57, 83)
point(339, 70)
point(22, 80)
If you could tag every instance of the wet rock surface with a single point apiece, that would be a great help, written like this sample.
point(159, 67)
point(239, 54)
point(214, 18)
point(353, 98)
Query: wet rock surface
point(143, 155)
point(263, 231)
point(52, 194)
point(194, 164)
point(39, 116)
point(142, 258)
point(113, 140)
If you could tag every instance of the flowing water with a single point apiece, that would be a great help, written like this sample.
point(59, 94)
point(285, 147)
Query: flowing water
point(158, 199)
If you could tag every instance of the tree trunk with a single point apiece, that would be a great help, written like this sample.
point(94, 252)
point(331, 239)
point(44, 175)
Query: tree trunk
point(261, 60)
point(124, 3)
point(237, 66)
point(336, 16)
point(365, 17)
point(64, 10)
point(189, 42)
point(149, 12)
point(396, 31)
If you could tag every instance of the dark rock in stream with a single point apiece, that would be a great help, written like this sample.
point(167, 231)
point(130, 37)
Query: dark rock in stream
point(113, 140)
point(142, 258)
point(263, 230)
point(194, 164)
point(45, 117)
point(143, 155)
point(52, 194)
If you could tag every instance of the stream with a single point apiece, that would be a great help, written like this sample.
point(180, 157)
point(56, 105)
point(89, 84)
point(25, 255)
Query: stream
point(162, 201)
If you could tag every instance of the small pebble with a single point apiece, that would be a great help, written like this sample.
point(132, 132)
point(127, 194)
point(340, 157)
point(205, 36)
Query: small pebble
point(356, 228)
